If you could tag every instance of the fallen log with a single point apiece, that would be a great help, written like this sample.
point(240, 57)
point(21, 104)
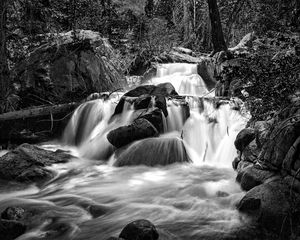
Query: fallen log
point(34, 125)
point(38, 111)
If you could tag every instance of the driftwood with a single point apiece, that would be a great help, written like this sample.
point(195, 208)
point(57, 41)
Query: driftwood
point(38, 111)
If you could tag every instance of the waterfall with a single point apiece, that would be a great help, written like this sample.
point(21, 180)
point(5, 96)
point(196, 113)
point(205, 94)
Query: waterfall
point(95, 195)
point(207, 127)
point(183, 76)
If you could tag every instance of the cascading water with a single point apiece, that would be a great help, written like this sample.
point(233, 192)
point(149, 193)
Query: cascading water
point(91, 199)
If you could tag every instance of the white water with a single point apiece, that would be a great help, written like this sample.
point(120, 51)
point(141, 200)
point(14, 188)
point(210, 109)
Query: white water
point(184, 78)
point(185, 201)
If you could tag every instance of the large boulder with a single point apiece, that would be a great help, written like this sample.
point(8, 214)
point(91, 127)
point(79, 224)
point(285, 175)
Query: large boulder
point(273, 206)
point(140, 128)
point(252, 176)
point(243, 138)
point(152, 152)
point(28, 163)
point(141, 97)
point(71, 66)
point(139, 230)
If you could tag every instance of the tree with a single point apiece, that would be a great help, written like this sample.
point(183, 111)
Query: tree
point(4, 73)
point(216, 27)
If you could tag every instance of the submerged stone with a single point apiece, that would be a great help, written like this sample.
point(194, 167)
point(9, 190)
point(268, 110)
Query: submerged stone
point(154, 151)
point(28, 163)
point(139, 230)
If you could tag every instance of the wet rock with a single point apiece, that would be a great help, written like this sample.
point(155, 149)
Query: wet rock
point(10, 230)
point(139, 94)
point(13, 213)
point(139, 230)
point(152, 152)
point(235, 163)
point(273, 206)
point(252, 176)
point(97, 210)
point(141, 128)
point(243, 138)
point(155, 118)
point(27, 163)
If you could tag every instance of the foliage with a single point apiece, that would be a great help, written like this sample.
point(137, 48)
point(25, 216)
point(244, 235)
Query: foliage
point(270, 76)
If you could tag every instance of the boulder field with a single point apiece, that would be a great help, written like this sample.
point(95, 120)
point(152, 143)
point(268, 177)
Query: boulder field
point(268, 168)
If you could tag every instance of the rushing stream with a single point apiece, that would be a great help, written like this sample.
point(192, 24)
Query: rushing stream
point(92, 199)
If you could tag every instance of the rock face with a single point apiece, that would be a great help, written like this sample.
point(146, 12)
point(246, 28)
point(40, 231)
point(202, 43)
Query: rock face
point(268, 168)
point(28, 163)
point(139, 230)
point(69, 67)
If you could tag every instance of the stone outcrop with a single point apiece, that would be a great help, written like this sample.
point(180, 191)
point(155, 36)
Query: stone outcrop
point(70, 67)
point(268, 168)
point(28, 163)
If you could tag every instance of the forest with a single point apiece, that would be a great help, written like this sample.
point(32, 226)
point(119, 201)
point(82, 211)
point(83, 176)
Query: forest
point(149, 119)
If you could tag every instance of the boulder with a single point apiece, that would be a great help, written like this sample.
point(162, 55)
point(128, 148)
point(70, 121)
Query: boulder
point(13, 213)
point(250, 153)
point(68, 68)
point(139, 230)
point(280, 142)
point(153, 152)
point(273, 206)
point(10, 230)
point(141, 97)
point(27, 163)
point(140, 128)
point(252, 176)
point(243, 138)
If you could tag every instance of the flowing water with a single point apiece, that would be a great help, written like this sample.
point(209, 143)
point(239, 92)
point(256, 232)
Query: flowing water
point(92, 199)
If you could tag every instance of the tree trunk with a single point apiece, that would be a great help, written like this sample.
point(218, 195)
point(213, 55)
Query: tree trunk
point(4, 73)
point(217, 32)
point(186, 20)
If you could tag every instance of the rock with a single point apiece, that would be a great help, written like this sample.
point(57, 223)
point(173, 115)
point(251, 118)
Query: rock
point(97, 210)
point(280, 142)
point(155, 118)
point(13, 213)
point(243, 138)
point(27, 163)
point(291, 162)
point(250, 152)
point(10, 230)
point(273, 206)
point(141, 97)
point(64, 69)
point(153, 152)
point(139, 230)
point(140, 128)
point(235, 163)
point(251, 176)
